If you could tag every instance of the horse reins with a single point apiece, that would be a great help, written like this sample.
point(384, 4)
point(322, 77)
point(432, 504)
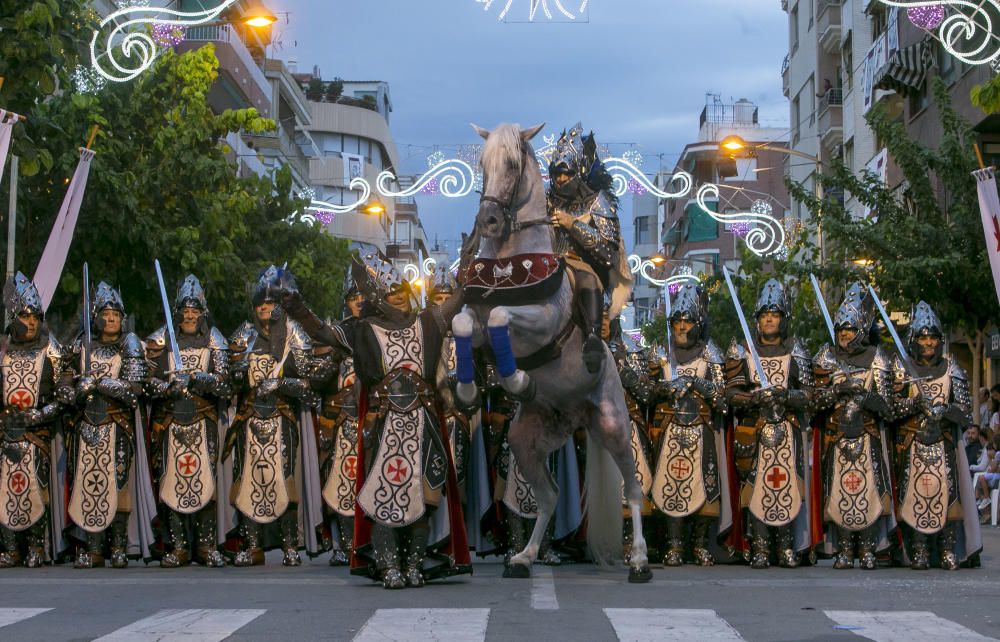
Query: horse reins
point(509, 208)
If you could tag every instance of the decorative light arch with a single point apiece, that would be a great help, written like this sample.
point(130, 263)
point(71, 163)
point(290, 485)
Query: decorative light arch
point(965, 28)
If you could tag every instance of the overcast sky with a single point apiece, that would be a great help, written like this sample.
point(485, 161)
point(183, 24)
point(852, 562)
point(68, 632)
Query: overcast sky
point(637, 72)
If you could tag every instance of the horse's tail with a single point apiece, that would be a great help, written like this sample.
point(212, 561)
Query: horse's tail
point(603, 504)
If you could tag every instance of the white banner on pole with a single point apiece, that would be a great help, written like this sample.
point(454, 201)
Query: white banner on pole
point(989, 208)
point(53, 259)
point(7, 120)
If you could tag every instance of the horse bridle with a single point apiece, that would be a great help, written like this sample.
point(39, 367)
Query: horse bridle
point(509, 209)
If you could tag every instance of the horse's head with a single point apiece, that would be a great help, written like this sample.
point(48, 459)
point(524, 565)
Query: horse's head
point(506, 160)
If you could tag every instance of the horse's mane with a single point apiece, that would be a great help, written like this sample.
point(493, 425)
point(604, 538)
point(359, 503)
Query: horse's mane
point(503, 145)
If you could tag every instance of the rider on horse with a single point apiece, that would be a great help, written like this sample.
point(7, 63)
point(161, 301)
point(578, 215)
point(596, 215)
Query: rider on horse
point(588, 234)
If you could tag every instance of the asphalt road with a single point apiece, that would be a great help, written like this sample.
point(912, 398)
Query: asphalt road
point(573, 602)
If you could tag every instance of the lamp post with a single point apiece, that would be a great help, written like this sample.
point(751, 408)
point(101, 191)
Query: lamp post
point(734, 146)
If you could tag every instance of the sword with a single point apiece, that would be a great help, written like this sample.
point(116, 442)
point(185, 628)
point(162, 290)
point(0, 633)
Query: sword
point(171, 335)
point(822, 308)
point(757, 365)
point(903, 354)
point(671, 357)
point(88, 336)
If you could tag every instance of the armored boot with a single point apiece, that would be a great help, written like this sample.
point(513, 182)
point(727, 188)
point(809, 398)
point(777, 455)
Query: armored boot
point(867, 543)
point(516, 539)
point(207, 548)
point(760, 544)
point(415, 551)
point(385, 540)
point(89, 555)
point(11, 556)
point(252, 554)
point(699, 541)
point(119, 541)
point(180, 556)
point(290, 538)
point(946, 544)
point(592, 309)
point(787, 557)
point(920, 557)
point(675, 543)
point(342, 556)
point(36, 546)
point(845, 550)
point(548, 556)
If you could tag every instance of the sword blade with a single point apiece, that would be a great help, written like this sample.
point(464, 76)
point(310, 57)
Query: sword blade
point(903, 354)
point(88, 336)
point(823, 308)
point(671, 357)
point(168, 315)
point(757, 365)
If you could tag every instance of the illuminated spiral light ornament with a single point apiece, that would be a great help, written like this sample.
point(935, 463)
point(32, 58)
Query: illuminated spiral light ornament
point(740, 228)
point(325, 216)
point(167, 35)
point(927, 17)
point(87, 81)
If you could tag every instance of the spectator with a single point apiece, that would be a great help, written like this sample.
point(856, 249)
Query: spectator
point(985, 407)
point(974, 451)
point(990, 479)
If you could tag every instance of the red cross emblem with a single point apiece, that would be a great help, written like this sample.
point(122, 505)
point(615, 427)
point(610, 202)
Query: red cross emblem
point(351, 467)
point(776, 477)
point(397, 471)
point(18, 482)
point(852, 481)
point(929, 483)
point(188, 464)
point(21, 399)
point(680, 468)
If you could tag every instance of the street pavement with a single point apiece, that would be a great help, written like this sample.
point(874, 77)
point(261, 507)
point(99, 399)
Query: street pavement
point(571, 602)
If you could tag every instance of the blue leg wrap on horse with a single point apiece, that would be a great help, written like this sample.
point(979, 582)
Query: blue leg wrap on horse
point(500, 339)
point(463, 355)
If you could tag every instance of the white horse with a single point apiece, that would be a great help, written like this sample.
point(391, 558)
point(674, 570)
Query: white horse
point(523, 293)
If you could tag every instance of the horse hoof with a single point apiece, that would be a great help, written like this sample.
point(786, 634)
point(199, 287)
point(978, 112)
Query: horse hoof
point(517, 571)
point(639, 575)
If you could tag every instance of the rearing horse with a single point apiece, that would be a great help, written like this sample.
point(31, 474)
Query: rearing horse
point(523, 293)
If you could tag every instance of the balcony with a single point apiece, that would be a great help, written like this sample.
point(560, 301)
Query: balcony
point(236, 63)
point(280, 146)
point(831, 118)
point(828, 25)
point(785, 75)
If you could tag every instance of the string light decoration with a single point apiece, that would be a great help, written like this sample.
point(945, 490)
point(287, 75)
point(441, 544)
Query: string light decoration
point(455, 180)
point(127, 34)
point(965, 28)
point(551, 9)
point(359, 184)
point(167, 35)
point(622, 171)
point(87, 81)
point(633, 156)
point(767, 234)
point(642, 267)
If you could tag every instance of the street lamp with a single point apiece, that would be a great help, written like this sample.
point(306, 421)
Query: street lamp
point(373, 207)
point(258, 15)
point(733, 146)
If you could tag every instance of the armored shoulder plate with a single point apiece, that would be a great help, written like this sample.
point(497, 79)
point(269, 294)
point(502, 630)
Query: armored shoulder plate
point(132, 347)
point(803, 363)
point(216, 340)
point(898, 369)
point(602, 208)
point(59, 357)
point(297, 337)
point(243, 338)
point(960, 392)
point(824, 359)
point(133, 359)
point(712, 353)
point(607, 227)
point(158, 339)
point(955, 371)
point(799, 350)
point(882, 361)
point(736, 351)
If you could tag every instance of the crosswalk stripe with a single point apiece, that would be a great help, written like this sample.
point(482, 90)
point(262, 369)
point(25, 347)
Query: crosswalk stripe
point(902, 626)
point(543, 590)
point(12, 616)
point(193, 625)
point(402, 625)
point(642, 625)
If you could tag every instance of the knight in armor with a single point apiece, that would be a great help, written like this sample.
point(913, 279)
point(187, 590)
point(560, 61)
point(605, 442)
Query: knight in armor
point(36, 384)
point(101, 439)
point(690, 484)
point(854, 393)
point(338, 429)
point(935, 499)
point(407, 479)
point(188, 400)
point(588, 235)
point(770, 439)
point(271, 366)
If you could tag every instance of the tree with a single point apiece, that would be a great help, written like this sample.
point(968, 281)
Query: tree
point(162, 186)
point(925, 241)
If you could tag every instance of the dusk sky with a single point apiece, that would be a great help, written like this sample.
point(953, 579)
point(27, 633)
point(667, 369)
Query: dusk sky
point(637, 72)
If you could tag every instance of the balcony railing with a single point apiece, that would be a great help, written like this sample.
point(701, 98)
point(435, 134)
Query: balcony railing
point(225, 33)
point(832, 98)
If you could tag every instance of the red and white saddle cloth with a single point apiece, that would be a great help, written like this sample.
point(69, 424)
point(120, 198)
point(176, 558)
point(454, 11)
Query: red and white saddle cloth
point(518, 279)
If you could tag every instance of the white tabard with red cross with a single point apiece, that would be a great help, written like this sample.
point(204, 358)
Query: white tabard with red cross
point(393, 492)
point(21, 500)
point(924, 497)
point(678, 487)
point(340, 491)
point(854, 503)
point(94, 500)
point(188, 485)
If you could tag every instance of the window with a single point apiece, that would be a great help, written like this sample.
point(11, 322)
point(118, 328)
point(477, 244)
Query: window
point(643, 230)
point(812, 12)
point(812, 100)
point(947, 66)
point(919, 100)
point(848, 67)
point(793, 29)
point(795, 120)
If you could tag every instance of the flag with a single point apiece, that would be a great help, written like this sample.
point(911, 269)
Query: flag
point(53, 259)
point(7, 120)
point(989, 208)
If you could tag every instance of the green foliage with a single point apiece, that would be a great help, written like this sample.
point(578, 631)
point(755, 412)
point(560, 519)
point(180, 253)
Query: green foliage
point(987, 95)
point(41, 44)
point(161, 186)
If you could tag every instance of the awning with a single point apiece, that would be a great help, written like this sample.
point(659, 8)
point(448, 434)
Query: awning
point(906, 69)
